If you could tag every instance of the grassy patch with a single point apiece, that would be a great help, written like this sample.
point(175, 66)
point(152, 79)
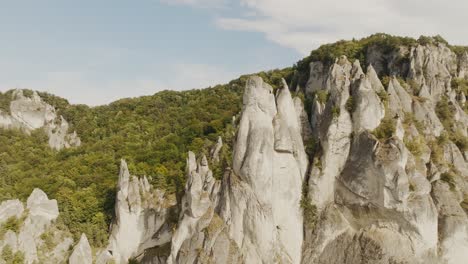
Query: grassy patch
point(386, 129)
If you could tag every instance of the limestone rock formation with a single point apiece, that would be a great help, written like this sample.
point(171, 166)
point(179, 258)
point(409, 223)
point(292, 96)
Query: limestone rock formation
point(140, 222)
point(35, 221)
point(190, 243)
point(10, 208)
point(214, 153)
point(379, 200)
point(32, 113)
point(386, 181)
point(82, 252)
point(262, 195)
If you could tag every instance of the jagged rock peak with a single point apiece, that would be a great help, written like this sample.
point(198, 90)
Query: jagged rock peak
point(261, 197)
point(369, 194)
point(197, 212)
point(214, 153)
point(82, 253)
point(141, 212)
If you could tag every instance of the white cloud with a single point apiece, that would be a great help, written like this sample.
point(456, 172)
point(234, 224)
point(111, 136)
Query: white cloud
point(82, 88)
point(306, 24)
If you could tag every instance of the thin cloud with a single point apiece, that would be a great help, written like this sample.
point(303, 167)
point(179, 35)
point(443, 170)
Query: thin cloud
point(304, 24)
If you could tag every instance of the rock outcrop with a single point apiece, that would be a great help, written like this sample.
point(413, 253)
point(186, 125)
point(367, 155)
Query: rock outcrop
point(28, 114)
point(82, 252)
point(140, 218)
point(36, 225)
point(261, 197)
point(377, 199)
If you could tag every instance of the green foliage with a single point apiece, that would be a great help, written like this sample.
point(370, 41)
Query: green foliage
point(386, 129)
point(411, 120)
point(12, 224)
point(309, 210)
point(48, 239)
point(273, 77)
point(12, 258)
point(383, 95)
point(446, 112)
point(459, 50)
point(426, 40)
point(437, 150)
point(415, 146)
point(153, 133)
point(311, 146)
point(133, 261)
point(322, 96)
point(415, 87)
point(460, 140)
point(335, 111)
point(353, 49)
point(5, 99)
point(350, 104)
point(449, 177)
point(460, 85)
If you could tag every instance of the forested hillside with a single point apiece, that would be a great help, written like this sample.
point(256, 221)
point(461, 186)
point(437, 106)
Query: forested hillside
point(153, 133)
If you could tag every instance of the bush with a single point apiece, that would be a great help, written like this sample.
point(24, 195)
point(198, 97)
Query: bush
point(12, 258)
point(13, 224)
point(336, 111)
point(322, 96)
point(460, 85)
point(460, 140)
point(415, 146)
point(386, 129)
point(411, 120)
point(350, 105)
point(446, 112)
point(383, 97)
point(449, 177)
point(309, 209)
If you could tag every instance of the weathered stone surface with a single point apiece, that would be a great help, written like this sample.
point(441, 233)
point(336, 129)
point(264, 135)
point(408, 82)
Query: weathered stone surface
point(10, 208)
point(260, 201)
point(196, 215)
point(306, 130)
point(82, 252)
point(141, 215)
point(214, 153)
point(32, 113)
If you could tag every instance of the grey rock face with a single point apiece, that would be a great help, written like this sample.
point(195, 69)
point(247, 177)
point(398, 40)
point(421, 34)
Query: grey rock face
point(214, 153)
point(10, 208)
point(37, 219)
point(260, 199)
point(32, 113)
point(201, 236)
point(82, 252)
point(380, 201)
point(141, 214)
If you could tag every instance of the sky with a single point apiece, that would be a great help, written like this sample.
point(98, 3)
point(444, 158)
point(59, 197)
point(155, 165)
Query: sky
point(97, 51)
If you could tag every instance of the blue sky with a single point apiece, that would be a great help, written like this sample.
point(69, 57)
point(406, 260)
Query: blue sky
point(97, 51)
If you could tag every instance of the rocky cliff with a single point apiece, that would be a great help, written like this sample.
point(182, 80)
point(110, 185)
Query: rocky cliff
point(385, 184)
point(370, 167)
point(30, 113)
